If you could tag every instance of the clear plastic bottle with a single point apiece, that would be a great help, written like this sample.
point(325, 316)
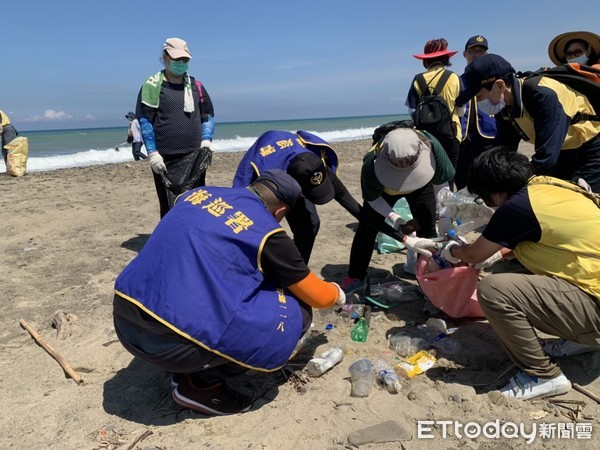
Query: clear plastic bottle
point(405, 345)
point(352, 310)
point(437, 262)
point(321, 364)
point(394, 292)
point(462, 205)
point(387, 376)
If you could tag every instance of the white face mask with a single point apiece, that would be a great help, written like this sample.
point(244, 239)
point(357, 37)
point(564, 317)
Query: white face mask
point(489, 108)
point(579, 59)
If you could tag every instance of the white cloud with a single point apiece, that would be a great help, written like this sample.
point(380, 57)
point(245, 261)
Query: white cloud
point(89, 116)
point(49, 116)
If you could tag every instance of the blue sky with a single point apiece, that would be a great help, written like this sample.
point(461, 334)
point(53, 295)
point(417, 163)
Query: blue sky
point(74, 64)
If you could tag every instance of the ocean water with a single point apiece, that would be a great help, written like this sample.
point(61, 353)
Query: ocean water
point(57, 149)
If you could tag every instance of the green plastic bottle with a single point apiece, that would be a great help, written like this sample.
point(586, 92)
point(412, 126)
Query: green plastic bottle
point(360, 330)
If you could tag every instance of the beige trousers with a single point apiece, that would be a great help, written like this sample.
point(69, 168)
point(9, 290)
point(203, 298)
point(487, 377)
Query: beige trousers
point(516, 304)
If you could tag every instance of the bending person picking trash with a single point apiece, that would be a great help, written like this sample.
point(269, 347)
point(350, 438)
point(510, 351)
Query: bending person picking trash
point(220, 288)
point(561, 296)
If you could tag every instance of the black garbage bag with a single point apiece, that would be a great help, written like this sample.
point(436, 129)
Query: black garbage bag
point(186, 173)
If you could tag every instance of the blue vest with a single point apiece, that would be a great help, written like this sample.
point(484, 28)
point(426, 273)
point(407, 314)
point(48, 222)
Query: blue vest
point(485, 125)
point(199, 274)
point(275, 150)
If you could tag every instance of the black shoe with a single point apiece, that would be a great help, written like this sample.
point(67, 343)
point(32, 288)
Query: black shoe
point(214, 400)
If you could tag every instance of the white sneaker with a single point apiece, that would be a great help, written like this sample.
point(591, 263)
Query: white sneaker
point(562, 348)
point(525, 387)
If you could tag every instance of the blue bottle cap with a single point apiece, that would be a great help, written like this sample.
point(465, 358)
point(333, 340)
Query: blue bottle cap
point(329, 326)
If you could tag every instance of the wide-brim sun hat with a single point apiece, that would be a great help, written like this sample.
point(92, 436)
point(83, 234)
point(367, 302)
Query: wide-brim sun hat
point(558, 45)
point(450, 53)
point(405, 162)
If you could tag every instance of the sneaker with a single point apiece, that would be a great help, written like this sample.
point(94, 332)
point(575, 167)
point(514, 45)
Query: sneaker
point(215, 400)
point(525, 387)
point(562, 348)
point(352, 285)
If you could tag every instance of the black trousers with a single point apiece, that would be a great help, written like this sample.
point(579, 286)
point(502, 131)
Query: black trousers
point(136, 150)
point(422, 207)
point(304, 223)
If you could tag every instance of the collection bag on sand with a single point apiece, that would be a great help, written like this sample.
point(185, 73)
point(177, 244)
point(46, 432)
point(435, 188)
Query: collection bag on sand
point(16, 160)
point(452, 290)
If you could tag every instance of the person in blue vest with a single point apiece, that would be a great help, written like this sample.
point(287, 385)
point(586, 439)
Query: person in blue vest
point(220, 288)
point(313, 163)
point(478, 128)
point(551, 226)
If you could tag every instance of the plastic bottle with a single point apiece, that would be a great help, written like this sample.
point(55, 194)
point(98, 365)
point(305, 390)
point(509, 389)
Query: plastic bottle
point(387, 376)
point(352, 310)
point(437, 262)
point(360, 331)
point(318, 366)
point(405, 345)
point(462, 205)
point(394, 292)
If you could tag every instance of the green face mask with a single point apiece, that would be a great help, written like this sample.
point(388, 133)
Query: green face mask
point(178, 68)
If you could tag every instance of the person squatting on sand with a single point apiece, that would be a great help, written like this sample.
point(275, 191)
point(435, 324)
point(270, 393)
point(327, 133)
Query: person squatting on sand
point(561, 295)
point(220, 288)
point(313, 163)
point(176, 116)
point(404, 163)
point(556, 118)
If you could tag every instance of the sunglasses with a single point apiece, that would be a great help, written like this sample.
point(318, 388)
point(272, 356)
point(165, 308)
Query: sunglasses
point(575, 53)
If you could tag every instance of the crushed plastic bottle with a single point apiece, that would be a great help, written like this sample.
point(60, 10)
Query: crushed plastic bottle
point(321, 364)
point(352, 310)
point(462, 205)
point(416, 364)
point(437, 262)
point(404, 344)
point(387, 376)
point(394, 292)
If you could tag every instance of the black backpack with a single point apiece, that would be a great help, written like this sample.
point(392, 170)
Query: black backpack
point(583, 79)
point(382, 130)
point(432, 113)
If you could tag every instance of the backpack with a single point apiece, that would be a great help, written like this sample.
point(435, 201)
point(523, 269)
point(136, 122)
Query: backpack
point(432, 113)
point(583, 79)
point(382, 130)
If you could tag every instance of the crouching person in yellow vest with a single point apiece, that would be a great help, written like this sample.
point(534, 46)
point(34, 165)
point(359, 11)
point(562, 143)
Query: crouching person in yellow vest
point(220, 288)
point(551, 226)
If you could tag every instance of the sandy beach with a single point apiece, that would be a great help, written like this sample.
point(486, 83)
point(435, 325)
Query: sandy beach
point(68, 233)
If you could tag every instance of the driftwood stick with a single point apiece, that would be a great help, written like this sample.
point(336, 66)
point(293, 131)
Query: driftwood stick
point(585, 392)
point(140, 438)
point(63, 363)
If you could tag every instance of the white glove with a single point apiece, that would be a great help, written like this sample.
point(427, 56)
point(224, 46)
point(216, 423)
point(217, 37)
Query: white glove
point(584, 184)
point(446, 252)
point(341, 300)
point(420, 245)
point(489, 262)
point(157, 163)
point(396, 219)
point(206, 143)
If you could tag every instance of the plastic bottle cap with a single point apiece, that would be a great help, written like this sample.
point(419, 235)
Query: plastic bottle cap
point(452, 233)
point(458, 222)
point(329, 326)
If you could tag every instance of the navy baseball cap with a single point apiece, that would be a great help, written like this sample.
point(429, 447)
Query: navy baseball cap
point(475, 41)
point(286, 188)
point(481, 73)
point(314, 177)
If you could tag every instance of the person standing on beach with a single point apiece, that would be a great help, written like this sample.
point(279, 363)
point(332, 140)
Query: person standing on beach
point(220, 288)
point(436, 57)
point(478, 128)
point(134, 137)
point(579, 47)
point(312, 162)
point(551, 226)
point(176, 118)
point(7, 133)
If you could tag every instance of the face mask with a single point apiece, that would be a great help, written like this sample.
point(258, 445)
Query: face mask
point(489, 108)
point(579, 60)
point(178, 68)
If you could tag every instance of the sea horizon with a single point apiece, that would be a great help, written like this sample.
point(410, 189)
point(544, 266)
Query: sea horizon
point(81, 147)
